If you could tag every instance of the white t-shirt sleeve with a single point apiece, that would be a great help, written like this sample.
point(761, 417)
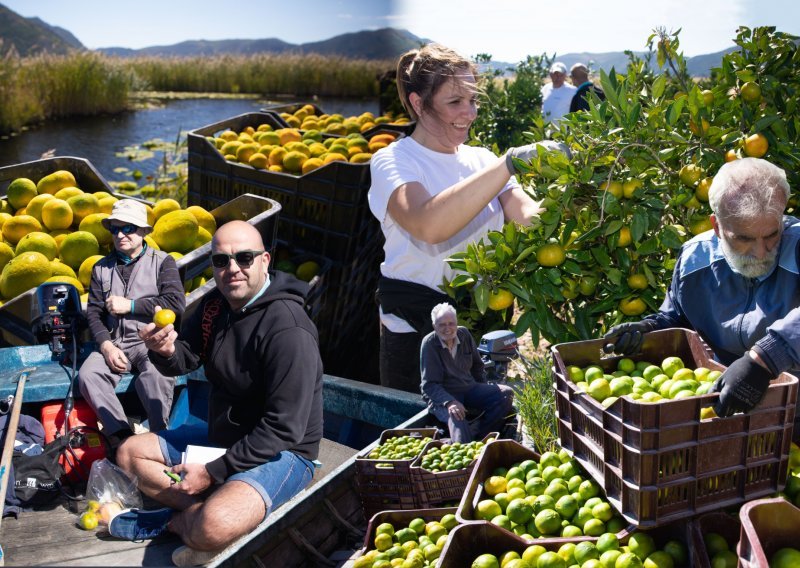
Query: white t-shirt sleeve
point(388, 171)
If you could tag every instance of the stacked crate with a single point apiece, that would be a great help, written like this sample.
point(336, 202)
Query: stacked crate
point(323, 212)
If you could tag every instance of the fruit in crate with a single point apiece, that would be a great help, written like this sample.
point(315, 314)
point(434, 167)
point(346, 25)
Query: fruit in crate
point(419, 543)
point(63, 225)
point(306, 118)
point(296, 150)
point(791, 491)
point(449, 457)
point(399, 448)
point(551, 498)
point(645, 382)
point(608, 551)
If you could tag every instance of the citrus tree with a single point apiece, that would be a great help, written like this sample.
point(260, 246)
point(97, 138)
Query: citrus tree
point(635, 186)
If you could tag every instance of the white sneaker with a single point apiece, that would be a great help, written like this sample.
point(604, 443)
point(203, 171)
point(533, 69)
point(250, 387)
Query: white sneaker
point(186, 556)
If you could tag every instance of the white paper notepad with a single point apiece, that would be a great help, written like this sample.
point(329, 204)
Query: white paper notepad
point(201, 454)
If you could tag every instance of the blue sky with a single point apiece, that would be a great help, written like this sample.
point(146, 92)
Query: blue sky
point(509, 30)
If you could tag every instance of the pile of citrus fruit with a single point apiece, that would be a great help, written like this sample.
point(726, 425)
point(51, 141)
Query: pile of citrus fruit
point(50, 230)
point(295, 151)
point(449, 457)
point(791, 491)
point(720, 552)
point(639, 551)
point(644, 381)
point(306, 118)
point(403, 447)
point(419, 544)
point(551, 498)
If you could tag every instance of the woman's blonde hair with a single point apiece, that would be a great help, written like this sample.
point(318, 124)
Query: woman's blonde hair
point(424, 71)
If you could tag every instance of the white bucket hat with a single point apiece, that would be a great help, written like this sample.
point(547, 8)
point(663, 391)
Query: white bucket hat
point(128, 211)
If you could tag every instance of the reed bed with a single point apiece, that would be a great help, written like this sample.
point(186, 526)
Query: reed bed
point(43, 87)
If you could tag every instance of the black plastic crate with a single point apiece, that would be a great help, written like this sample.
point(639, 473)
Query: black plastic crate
point(332, 198)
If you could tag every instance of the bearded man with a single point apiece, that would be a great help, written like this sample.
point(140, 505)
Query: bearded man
point(737, 285)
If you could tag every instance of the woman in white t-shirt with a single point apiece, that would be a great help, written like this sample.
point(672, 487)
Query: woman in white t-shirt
point(433, 195)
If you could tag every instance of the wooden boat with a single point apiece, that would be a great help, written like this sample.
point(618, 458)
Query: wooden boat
point(309, 530)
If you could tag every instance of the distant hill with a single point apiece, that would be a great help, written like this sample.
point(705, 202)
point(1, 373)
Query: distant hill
point(30, 36)
point(386, 43)
point(697, 66)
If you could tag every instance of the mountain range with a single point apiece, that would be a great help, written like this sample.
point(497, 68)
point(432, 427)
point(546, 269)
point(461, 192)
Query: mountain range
point(30, 36)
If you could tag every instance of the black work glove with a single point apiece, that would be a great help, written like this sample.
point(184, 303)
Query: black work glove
point(626, 338)
point(527, 153)
point(741, 387)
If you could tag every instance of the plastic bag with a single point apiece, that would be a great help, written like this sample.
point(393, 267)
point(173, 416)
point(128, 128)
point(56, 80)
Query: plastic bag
point(110, 490)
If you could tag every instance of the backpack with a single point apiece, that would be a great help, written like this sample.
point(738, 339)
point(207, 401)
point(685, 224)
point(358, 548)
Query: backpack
point(29, 431)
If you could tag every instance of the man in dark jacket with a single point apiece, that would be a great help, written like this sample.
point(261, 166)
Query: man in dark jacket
point(579, 75)
point(261, 356)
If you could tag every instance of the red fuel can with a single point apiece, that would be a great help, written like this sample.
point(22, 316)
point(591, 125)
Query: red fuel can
point(87, 447)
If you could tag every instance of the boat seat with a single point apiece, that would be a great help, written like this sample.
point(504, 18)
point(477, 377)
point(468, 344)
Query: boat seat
point(50, 379)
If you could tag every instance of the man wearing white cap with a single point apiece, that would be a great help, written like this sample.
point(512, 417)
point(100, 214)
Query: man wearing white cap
point(557, 95)
point(125, 289)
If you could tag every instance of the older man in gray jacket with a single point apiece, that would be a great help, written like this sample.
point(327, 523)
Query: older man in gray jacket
point(125, 289)
point(454, 379)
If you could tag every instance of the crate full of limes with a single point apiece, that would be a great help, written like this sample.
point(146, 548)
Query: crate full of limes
point(383, 472)
point(770, 534)
point(715, 537)
point(487, 546)
point(658, 448)
point(537, 497)
point(442, 471)
point(416, 536)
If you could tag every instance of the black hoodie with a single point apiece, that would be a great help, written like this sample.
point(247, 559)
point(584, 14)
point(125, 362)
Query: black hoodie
point(265, 371)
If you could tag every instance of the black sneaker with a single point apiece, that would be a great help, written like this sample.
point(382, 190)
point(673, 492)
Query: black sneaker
point(136, 524)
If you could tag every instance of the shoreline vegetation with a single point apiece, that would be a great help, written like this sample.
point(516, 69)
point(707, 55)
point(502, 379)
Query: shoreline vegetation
point(44, 87)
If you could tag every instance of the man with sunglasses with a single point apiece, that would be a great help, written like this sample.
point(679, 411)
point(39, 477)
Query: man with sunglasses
point(261, 356)
point(125, 288)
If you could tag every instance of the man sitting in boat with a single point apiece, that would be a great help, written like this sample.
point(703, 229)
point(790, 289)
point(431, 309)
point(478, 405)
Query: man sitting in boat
point(454, 379)
point(261, 355)
point(125, 289)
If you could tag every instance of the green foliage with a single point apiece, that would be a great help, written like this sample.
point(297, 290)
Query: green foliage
point(170, 177)
point(510, 107)
point(267, 74)
point(36, 88)
point(535, 401)
point(643, 134)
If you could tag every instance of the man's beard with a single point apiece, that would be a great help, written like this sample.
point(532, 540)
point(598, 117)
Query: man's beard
point(746, 265)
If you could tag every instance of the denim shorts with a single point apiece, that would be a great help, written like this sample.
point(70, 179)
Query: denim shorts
point(277, 480)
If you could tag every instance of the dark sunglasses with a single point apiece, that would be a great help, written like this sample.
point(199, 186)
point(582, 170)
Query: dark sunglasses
point(244, 258)
point(126, 229)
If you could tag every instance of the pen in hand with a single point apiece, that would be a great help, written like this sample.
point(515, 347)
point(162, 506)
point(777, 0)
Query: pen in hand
point(173, 476)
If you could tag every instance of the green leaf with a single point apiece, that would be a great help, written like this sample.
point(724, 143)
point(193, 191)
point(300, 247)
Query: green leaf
point(658, 86)
point(462, 280)
point(525, 253)
point(764, 123)
point(472, 266)
point(674, 111)
point(571, 267)
point(601, 256)
point(481, 294)
point(613, 227)
point(647, 247)
point(615, 276)
point(639, 225)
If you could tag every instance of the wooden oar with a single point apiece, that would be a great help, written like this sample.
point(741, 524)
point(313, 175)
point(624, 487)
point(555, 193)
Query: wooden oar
point(8, 447)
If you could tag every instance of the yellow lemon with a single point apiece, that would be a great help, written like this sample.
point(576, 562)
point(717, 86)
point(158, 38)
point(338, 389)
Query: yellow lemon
point(163, 318)
point(85, 270)
point(38, 242)
point(20, 192)
point(19, 226)
point(23, 272)
point(94, 224)
point(77, 247)
point(164, 206)
point(82, 206)
point(57, 180)
point(176, 231)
